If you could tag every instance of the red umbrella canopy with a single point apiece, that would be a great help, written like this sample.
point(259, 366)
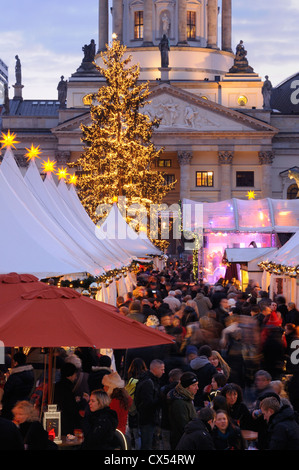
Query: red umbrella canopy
point(12, 285)
point(55, 317)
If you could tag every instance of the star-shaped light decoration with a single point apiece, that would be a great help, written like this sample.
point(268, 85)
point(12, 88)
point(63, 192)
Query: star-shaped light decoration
point(251, 194)
point(48, 166)
point(62, 173)
point(8, 140)
point(73, 179)
point(33, 152)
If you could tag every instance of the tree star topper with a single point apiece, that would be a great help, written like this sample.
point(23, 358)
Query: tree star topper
point(8, 140)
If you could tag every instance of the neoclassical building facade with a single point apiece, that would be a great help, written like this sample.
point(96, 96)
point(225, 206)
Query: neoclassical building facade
point(221, 138)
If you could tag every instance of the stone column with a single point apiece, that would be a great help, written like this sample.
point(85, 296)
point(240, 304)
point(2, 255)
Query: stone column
point(182, 22)
point(184, 159)
point(212, 23)
point(226, 25)
point(117, 15)
point(148, 23)
point(266, 159)
point(225, 159)
point(103, 24)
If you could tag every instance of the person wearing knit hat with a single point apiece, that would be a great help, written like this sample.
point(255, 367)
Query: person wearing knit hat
point(191, 352)
point(121, 401)
point(112, 381)
point(181, 407)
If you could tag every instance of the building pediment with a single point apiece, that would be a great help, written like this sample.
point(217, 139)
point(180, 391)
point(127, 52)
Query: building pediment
point(179, 110)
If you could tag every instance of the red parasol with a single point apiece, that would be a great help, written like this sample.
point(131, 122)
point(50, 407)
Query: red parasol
point(52, 317)
point(12, 285)
point(55, 317)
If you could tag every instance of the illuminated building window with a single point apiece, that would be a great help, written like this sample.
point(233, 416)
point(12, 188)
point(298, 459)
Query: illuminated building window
point(245, 179)
point(164, 162)
point(205, 178)
point(138, 25)
point(242, 100)
point(292, 191)
point(191, 25)
point(168, 179)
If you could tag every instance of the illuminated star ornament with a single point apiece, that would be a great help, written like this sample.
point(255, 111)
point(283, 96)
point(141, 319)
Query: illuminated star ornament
point(8, 140)
point(73, 179)
point(48, 166)
point(33, 152)
point(251, 194)
point(62, 173)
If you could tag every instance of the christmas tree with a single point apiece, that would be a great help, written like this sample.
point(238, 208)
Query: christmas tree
point(119, 156)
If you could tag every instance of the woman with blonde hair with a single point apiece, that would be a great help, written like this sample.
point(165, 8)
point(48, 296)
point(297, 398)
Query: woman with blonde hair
point(25, 417)
point(99, 423)
point(219, 363)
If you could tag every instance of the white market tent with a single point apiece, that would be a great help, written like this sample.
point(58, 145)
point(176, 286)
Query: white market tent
point(281, 270)
point(247, 260)
point(232, 215)
point(46, 192)
point(114, 227)
point(31, 242)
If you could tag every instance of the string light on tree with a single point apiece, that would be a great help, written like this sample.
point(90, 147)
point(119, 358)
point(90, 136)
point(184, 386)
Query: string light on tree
point(119, 156)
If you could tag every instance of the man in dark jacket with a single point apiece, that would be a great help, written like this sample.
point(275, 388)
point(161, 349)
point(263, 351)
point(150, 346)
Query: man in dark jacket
point(19, 384)
point(197, 435)
point(283, 430)
point(10, 436)
point(148, 402)
point(65, 399)
point(180, 406)
point(204, 370)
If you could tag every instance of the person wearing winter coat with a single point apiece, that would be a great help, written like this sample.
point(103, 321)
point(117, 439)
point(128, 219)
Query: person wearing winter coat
point(204, 304)
point(18, 385)
point(204, 371)
point(226, 435)
point(65, 399)
point(197, 434)
point(121, 401)
point(148, 402)
point(99, 423)
point(283, 429)
point(181, 409)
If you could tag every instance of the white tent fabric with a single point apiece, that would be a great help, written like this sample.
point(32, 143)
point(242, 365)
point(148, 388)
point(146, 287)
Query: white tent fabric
point(55, 206)
point(260, 215)
point(288, 254)
point(74, 204)
point(30, 240)
point(114, 227)
point(245, 255)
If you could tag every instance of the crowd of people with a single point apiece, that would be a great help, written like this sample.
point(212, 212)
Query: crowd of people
point(229, 369)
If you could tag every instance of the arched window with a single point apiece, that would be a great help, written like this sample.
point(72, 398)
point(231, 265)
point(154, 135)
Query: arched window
point(292, 191)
